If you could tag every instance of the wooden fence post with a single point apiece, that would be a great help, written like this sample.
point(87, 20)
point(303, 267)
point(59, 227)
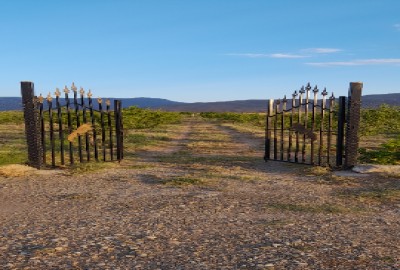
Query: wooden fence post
point(32, 125)
point(353, 124)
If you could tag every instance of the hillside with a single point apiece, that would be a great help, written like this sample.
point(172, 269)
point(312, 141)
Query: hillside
point(251, 105)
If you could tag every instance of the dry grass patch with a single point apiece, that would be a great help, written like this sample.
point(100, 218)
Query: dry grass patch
point(16, 170)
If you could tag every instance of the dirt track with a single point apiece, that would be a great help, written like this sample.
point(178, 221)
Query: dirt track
point(204, 200)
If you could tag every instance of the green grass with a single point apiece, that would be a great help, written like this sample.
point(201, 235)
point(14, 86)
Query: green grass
point(137, 118)
point(11, 117)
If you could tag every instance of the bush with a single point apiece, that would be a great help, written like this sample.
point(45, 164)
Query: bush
point(389, 153)
point(382, 120)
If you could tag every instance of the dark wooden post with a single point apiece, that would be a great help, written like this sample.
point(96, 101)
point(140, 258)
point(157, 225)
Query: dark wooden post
point(353, 124)
point(32, 125)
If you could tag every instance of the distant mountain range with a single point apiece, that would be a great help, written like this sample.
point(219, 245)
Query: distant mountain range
point(251, 105)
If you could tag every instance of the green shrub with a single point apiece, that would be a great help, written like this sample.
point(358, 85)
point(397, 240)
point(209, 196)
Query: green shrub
point(389, 153)
point(382, 120)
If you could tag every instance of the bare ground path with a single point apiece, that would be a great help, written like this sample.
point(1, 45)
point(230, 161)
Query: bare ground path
point(203, 200)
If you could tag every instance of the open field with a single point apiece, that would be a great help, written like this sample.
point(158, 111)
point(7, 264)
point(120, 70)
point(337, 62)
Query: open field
point(196, 195)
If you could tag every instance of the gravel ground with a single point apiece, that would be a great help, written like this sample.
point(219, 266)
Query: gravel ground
point(206, 201)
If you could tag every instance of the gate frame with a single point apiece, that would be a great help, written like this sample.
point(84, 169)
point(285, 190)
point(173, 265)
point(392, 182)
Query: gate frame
point(347, 132)
point(34, 127)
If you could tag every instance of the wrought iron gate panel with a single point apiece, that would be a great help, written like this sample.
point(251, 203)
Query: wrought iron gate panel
point(302, 132)
point(84, 127)
point(314, 131)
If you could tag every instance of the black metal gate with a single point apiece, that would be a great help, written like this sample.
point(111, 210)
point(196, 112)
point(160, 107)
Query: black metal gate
point(65, 131)
point(309, 130)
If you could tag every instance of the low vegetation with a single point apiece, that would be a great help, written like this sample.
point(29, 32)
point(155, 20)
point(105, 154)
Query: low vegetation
point(379, 130)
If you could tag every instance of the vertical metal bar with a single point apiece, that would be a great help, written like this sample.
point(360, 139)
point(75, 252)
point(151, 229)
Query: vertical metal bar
point(60, 126)
point(321, 127)
point(121, 132)
point(52, 141)
point(110, 130)
point(314, 107)
point(353, 124)
point(71, 147)
point(296, 154)
point(103, 131)
point(303, 151)
point(268, 119)
point(117, 111)
point(96, 153)
point(32, 125)
point(78, 121)
point(275, 129)
point(42, 128)
point(289, 153)
point(84, 119)
point(283, 107)
point(340, 131)
point(330, 121)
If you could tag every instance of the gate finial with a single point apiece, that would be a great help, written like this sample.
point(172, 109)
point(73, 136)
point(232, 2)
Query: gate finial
point(49, 98)
point(73, 87)
point(57, 92)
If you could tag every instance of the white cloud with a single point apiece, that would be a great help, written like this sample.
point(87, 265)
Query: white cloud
point(264, 55)
point(321, 50)
point(397, 26)
point(287, 55)
point(359, 62)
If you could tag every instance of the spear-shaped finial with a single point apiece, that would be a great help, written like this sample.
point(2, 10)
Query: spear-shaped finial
point(57, 92)
point(66, 90)
point(99, 100)
point(73, 87)
point(40, 98)
point(294, 95)
point(81, 91)
point(315, 90)
point(324, 93)
point(308, 87)
point(89, 94)
point(302, 91)
point(108, 102)
point(284, 100)
point(49, 98)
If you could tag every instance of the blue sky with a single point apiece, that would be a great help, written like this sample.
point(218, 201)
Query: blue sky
point(200, 50)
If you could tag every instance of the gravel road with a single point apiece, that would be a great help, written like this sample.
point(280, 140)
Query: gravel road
point(205, 201)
